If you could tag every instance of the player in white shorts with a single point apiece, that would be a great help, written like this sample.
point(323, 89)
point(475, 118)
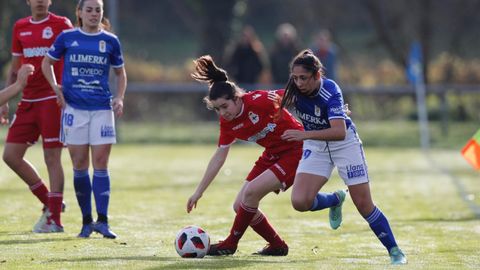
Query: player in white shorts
point(330, 140)
point(87, 122)
point(90, 127)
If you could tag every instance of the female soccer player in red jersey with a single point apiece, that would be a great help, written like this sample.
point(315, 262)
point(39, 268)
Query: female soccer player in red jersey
point(249, 117)
point(37, 113)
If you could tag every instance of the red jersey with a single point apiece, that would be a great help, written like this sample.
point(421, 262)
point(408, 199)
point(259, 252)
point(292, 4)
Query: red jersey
point(31, 40)
point(257, 123)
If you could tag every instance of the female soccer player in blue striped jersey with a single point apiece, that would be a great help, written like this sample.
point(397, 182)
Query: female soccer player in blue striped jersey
point(330, 139)
point(88, 119)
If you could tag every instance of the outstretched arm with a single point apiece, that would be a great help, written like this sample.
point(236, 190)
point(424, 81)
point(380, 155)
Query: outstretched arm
point(20, 83)
point(214, 166)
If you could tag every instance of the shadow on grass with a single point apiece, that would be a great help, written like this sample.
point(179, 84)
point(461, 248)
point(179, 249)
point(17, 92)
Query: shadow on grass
point(439, 219)
point(33, 241)
point(178, 263)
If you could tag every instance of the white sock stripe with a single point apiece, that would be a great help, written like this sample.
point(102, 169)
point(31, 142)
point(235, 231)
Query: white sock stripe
point(374, 215)
point(55, 194)
point(248, 209)
point(37, 185)
point(257, 220)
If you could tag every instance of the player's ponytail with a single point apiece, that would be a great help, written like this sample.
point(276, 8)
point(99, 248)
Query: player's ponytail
point(219, 86)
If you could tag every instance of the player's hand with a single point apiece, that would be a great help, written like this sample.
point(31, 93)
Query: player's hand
point(117, 105)
point(293, 135)
point(60, 98)
point(4, 114)
point(23, 73)
point(192, 202)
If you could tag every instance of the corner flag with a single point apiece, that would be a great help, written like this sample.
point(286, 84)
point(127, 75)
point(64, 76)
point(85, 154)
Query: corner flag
point(471, 151)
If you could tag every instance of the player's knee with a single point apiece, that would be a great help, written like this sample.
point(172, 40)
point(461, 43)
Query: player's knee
point(10, 160)
point(250, 195)
point(363, 205)
point(235, 206)
point(300, 204)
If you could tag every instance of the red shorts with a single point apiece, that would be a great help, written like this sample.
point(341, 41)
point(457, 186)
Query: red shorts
point(283, 165)
point(33, 119)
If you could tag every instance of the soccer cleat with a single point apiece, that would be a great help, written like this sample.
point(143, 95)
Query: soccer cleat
point(221, 249)
point(42, 223)
point(54, 228)
point(270, 250)
point(335, 214)
point(397, 256)
point(86, 231)
point(103, 229)
point(50, 227)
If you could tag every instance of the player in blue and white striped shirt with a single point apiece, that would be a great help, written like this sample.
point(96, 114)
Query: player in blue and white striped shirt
point(88, 122)
point(330, 140)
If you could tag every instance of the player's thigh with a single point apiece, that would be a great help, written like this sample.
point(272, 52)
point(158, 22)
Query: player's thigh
point(102, 128)
point(351, 164)
point(80, 156)
point(100, 156)
point(49, 119)
point(306, 186)
point(75, 126)
point(263, 184)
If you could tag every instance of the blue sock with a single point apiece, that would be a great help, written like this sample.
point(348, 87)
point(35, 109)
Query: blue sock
point(83, 191)
point(324, 200)
point(101, 191)
point(379, 225)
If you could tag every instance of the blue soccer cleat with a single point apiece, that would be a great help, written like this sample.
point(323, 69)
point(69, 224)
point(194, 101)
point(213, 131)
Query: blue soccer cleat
point(335, 214)
point(86, 231)
point(397, 256)
point(103, 229)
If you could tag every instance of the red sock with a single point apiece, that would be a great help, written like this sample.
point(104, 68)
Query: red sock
point(240, 224)
point(41, 191)
point(55, 206)
point(261, 226)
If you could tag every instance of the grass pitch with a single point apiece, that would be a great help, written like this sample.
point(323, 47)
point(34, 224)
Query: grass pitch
point(151, 184)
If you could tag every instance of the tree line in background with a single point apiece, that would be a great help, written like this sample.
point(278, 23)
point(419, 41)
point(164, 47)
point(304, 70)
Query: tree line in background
point(172, 31)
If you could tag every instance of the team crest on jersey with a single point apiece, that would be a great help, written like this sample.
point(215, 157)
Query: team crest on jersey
point(47, 33)
point(102, 46)
point(318, 112)
point(253, 117)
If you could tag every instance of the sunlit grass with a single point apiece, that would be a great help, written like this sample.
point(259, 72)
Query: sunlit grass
point(151, 184)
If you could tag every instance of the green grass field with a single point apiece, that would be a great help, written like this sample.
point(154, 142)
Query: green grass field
point(151, 184)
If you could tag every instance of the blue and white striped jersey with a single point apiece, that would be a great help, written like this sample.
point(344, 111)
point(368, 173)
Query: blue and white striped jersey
point(87, 61)
point(316, 111)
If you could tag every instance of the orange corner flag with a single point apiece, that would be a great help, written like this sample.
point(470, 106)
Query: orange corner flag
point(471, 151)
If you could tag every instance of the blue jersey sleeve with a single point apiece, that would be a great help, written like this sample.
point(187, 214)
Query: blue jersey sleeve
point(116, 58)
point(335, 107)
point(57, 50)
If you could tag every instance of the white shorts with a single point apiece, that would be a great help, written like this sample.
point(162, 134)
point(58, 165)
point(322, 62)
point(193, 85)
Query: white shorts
point(80, 127)
point(320, 157)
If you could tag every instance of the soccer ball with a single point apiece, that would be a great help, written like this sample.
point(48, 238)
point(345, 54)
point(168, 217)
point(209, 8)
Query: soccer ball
point(192, 242)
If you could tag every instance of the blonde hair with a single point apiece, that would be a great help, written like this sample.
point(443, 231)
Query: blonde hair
point(104, 24)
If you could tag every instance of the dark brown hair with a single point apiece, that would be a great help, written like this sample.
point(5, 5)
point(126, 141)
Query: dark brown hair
point(309, 62)
point(219, 86)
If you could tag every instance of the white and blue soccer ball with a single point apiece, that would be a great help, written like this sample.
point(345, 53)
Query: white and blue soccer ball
point(192, 242)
